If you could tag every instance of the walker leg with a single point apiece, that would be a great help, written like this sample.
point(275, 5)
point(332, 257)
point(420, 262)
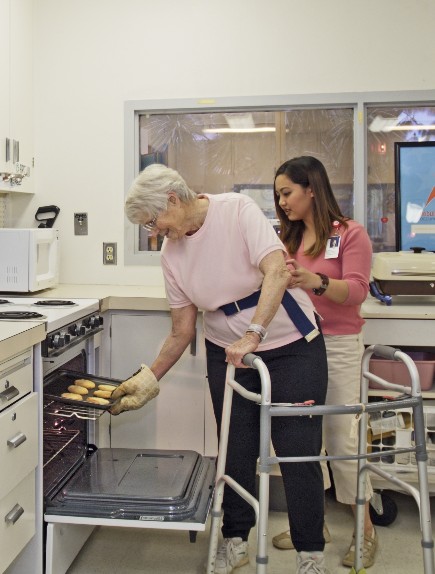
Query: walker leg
point(262, 558)
point(216, 513)
point(424, 505)
point(216, 516)
point(360, 500)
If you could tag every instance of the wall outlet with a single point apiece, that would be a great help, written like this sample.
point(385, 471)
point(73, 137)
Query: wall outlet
point(109, 253)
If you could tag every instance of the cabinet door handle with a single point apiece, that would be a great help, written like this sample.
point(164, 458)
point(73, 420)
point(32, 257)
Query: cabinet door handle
point(9, 394)
point(193, 345)
point(17, 440)
point(12, 516)
point(15, 151)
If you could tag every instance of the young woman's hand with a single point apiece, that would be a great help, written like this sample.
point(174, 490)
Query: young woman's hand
point(301, 277)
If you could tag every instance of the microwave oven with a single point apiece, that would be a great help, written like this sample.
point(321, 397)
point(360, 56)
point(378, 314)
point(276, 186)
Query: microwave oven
point(29, 259)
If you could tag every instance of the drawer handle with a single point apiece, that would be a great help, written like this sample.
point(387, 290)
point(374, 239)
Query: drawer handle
point(17, 440)
point(9, 394)
point(12, 516)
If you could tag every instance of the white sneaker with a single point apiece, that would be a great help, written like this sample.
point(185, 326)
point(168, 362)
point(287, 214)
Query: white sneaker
point(310, 563)
point(232, 553)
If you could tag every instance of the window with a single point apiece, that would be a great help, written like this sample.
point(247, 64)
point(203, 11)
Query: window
point(239, 151)
point(385, 126)
point(236, 144)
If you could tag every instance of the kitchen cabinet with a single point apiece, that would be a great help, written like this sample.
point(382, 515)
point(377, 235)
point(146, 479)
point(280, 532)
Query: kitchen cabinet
point(21, 447)
point(17, 526)
point(4, 91)
point(16, 94)
point(19, 455)
point(181, 416)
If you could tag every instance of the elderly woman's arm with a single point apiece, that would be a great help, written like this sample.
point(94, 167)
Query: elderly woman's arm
point(182, 333)
point(143, 386)
point(276, 277)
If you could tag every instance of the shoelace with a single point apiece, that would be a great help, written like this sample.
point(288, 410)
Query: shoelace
point(229, 552)
point(222, 552)
point(310, 566)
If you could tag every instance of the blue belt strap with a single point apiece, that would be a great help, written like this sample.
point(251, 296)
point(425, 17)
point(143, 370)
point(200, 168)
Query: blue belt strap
point(294, 311)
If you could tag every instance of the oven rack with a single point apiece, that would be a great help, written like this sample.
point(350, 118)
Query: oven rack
point(56, 409)
point(56, 441)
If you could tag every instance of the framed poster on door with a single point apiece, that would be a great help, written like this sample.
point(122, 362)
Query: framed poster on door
point(415, 195)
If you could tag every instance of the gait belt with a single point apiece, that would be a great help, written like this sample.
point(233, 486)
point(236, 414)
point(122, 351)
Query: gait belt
point(294, 311)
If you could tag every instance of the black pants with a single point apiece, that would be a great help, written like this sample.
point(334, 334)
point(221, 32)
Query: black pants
point(298, 372)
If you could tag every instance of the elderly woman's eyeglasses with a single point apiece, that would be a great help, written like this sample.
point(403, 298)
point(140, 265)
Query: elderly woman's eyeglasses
point(150, 226)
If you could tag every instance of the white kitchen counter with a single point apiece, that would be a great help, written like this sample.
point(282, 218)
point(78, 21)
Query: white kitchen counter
point(153, 298)
point(16, 336)
point(409, 321)
point(121, 297)
point(403, 307)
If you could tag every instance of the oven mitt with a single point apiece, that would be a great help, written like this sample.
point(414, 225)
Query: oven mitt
point(135, 392)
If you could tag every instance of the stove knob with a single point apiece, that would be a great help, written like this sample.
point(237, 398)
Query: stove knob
point(82, 329)
point(87, 322)
point(58, 340)
point(67, 338)
point(73, 330)
point(96, 321)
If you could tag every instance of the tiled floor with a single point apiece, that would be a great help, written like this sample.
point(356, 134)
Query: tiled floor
point(113, 550)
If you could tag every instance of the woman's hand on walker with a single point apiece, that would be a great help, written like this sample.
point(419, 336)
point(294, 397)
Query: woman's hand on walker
point(237, 350)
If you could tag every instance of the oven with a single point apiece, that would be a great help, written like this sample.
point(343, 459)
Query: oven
point(73, 333)
point(85, 486)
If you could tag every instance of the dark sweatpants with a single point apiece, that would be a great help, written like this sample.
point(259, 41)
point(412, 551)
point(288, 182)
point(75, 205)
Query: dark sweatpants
point(298, 372)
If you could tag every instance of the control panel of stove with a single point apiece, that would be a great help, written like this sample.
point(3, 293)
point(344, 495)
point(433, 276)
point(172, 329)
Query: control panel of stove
point(57, 342)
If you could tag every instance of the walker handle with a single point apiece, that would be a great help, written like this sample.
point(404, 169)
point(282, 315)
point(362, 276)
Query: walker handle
point(249, 359)
point(385, 352)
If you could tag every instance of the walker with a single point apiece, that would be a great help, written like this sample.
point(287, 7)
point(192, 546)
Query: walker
point(411, 398)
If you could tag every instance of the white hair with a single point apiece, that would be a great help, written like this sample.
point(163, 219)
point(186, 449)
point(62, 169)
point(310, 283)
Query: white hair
point(148, 193)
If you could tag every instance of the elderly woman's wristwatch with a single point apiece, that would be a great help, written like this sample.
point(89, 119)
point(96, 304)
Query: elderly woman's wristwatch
point(323, 286)
point(258, 329)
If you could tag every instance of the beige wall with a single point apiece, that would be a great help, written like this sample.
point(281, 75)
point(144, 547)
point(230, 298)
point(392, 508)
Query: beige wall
point(93, 55)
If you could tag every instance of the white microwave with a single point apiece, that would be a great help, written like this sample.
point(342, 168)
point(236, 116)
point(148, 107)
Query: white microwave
point(29, 259)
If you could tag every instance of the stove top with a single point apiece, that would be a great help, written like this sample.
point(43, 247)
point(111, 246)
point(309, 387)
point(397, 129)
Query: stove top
point(20, 315)
point(55, 312)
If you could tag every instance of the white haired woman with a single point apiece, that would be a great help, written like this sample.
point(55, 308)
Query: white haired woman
point(218, 250)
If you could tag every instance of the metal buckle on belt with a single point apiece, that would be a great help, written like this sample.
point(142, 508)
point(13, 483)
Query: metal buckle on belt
point(237, 306)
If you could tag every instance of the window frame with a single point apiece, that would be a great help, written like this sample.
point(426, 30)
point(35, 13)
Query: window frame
point(359, 101)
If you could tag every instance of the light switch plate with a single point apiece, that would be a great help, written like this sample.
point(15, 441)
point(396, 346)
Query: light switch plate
point(80, 223)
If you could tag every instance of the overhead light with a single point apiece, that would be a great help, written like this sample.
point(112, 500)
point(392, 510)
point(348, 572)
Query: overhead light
point(380, 124)
point(239, 124)
point(415, 127)
point(238, 130)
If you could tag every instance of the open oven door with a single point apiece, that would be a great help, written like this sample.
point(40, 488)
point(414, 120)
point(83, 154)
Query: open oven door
point(129, 488)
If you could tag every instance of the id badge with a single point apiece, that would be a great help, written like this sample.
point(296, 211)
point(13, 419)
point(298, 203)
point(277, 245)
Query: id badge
point(332, 247)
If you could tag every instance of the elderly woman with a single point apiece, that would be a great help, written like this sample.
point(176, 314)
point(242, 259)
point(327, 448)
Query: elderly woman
point(220, 250)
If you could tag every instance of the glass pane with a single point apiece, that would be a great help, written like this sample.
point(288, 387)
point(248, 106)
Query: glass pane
point(385, 126)
point(214, 152)
point(328, 136)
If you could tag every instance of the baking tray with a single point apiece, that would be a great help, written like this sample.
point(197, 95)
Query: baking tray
point(58, 382)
